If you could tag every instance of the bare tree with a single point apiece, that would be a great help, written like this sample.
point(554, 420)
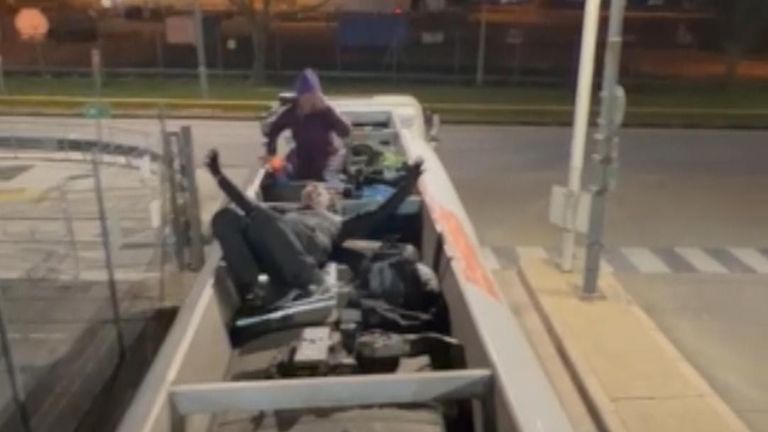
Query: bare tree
point(258, 26)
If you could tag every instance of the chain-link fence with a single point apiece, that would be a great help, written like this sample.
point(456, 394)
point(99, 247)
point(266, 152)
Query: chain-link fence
point(87, 234)
point(527, 41)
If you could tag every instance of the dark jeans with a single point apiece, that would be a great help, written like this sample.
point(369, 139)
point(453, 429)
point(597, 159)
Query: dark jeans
point(261, 242)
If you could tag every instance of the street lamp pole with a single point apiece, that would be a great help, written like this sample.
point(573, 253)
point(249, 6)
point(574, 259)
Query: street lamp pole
point(589, 30)
point(611, 116)
point(202, 71)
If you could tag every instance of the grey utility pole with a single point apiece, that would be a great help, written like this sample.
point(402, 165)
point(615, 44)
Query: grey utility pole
point(202, 71)
point(607, 139)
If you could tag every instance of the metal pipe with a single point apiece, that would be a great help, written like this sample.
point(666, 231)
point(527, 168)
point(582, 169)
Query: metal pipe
point(607, 139)
point(479, 75)
point(580, 123)
point(164, 193)
point(17, 388)
point(192, 201)
point(105, 241)
point(202, 70)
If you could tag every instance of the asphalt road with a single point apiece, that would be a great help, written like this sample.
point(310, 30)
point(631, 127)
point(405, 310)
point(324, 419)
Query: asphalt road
point(687, 231)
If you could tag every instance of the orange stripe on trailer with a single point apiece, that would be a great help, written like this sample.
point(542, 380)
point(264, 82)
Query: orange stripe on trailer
point(471, 266)
point(456, 237)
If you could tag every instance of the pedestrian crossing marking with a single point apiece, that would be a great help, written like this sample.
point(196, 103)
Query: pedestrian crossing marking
point(752, 258)
point(645, 261)
point(699, 259)
point(669, 260)
point(606, 266)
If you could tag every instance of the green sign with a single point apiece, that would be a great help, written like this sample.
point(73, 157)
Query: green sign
point(97, 111)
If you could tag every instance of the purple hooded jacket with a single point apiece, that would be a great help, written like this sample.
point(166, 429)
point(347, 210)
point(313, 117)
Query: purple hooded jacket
point(311, 132)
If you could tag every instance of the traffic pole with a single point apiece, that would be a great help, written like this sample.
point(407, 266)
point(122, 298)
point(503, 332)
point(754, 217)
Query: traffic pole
point(581, 113)
point(611, 116)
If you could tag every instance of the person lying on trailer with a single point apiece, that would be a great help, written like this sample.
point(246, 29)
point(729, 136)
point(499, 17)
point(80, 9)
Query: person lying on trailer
point(290, 248)
point(312, 122)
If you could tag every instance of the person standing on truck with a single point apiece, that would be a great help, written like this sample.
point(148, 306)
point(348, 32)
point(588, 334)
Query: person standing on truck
point(291, 247)
point(312, 122)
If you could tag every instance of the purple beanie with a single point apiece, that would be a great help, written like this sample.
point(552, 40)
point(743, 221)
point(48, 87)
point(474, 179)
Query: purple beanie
point(308, 82)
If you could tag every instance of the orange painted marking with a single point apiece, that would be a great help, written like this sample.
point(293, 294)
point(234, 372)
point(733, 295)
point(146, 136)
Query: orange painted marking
point(455, 235)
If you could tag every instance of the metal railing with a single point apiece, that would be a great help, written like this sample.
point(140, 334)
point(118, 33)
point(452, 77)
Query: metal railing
point(83, 249)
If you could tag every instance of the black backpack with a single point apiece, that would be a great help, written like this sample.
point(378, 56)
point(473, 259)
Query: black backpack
point(398, 279)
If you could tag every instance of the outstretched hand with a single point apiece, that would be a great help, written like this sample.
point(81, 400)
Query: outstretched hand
point(415, 168)
point(212, 163)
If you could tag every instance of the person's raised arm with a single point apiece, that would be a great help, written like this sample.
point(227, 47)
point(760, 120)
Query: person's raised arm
point(230, 190)
point(363, 224)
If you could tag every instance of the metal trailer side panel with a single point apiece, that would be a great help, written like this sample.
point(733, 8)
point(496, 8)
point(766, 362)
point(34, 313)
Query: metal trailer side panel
point(524, 399)
point(522, 389)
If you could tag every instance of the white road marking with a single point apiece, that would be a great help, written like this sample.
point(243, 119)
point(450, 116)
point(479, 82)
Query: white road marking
point(701, 261)
point(605, 266)
point(645, 261)
point(751, 258)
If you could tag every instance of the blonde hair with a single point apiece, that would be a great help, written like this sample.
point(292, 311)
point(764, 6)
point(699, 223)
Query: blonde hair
point(311, 102)
point(316, 196)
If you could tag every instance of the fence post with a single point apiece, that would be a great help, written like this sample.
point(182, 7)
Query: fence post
point(480, 73)
point(105, 241)
point(202, 70)
point(2, 67)
point(192, 207)
point(96, 70)
point(163, 204)
point(169, 162)
point(17, 389)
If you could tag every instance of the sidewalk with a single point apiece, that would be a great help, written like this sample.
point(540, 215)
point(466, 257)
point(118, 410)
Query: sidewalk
point(633, 377)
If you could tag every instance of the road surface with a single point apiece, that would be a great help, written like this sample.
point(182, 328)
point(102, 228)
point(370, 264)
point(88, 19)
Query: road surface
point(687, 233)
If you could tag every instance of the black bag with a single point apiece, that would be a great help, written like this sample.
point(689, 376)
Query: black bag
point(396, 277)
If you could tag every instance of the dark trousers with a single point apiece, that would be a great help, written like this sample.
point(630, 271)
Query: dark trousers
point(261, 242)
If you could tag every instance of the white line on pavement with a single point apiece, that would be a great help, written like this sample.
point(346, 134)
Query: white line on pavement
point(645, 260)
point(752, 258)
point(605, 266)
point(699, 259)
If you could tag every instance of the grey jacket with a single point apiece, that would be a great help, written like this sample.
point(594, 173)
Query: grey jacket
point(316, 230)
